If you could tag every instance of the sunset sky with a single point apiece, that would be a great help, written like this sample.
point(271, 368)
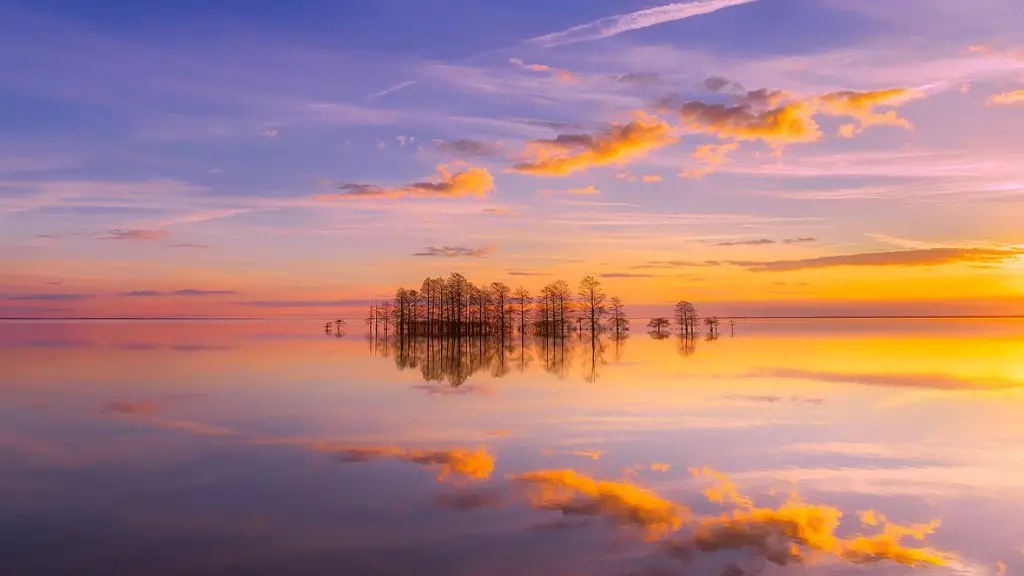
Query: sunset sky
point(756, 157)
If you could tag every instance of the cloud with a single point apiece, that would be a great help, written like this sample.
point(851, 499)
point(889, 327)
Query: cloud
point(642, 79)
point(189, 245)
point(572, 493)
point(584, 191)
point(861, 106)
point(501, 211)
point(562, 75)
point(625, 275)
point(711, 157)
point(650, 178)
point(801, 240)
point(783, 535)
point(895, 380)
point(618, 144)
point(130, 408)
point(392, 89)
point(771, 116)
point(618, 24)
point(469, 182)
point(185, 292)
point(473, 465)
point(526, 273)
point(675, 264)
point(921, 257)
point(49, 297)
point(465, 501)
point(271, 133)
point(758, 242)
point(135, 234)
point(465, 147)
point(455, 252)
point(1006, 98)
point(349, 303)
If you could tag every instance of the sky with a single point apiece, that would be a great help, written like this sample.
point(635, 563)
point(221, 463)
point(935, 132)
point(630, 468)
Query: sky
point(755, 157)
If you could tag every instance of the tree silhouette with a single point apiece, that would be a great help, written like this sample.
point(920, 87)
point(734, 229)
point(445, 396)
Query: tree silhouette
point(619, 322)
point(522, 299)
point(592, 304)
point(686, 318)
point(659, 326)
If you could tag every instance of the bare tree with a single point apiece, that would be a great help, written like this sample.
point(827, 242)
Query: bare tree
point(501, 297)
point(523, 301)
point(686, 317)
point(619, 321)
point(592, 302)
point(659, 326)
point(562, 299)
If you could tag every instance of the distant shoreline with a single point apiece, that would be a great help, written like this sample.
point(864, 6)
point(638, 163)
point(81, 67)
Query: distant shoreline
point(322, 318)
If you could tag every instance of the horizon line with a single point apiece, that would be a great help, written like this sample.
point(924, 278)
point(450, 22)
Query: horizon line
point(786, 317)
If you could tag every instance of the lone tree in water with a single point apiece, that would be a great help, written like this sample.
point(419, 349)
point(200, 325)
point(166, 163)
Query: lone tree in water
point(619, 322)
point(686, 317)
point(659, 325)
point(592, 304)
point(712, 324)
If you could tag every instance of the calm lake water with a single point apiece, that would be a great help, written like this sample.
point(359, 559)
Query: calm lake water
point(816, 447)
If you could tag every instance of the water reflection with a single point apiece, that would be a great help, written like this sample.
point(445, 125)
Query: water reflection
point(274, 448)
point(455, 360)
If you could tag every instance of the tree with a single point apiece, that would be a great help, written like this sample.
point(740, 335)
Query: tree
point(712, 324)
point(522, 299)
point(501, 296)
point(592, 303)
point(686, 317)
point(619, 321)
point(562, 300)
point(659, 325)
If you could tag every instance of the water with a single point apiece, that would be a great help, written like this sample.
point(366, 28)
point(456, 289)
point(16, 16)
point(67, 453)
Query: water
point(272, 448)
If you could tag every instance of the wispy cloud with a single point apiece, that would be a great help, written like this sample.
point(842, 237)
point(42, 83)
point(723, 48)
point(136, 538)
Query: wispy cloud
point(49, 297)
point(455, 252)
point(1007, 98)
point(467, 147)
point(527, 273)
point(584, 191)
point(757, 242)
point(625, 275)
point(186, 292)
point(922, 257)
point(562, 75)
point(392, 89)
point(469, 182)
point(618, 24)
point(135, 235)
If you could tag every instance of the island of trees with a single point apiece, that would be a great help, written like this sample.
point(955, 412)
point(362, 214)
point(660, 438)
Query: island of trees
point(456, 307)
point(450, 327)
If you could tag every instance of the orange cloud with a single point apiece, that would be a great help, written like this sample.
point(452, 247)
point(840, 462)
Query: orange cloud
point(473, 465)
point(921, 257)
point(619, 144)
point(782, 535)
point(861, 106)
point(711, 156)
point(1007, 98)
point(789, 123)
point(133, 234)
point(766, 115)
point(585, 191)
point(563, 75)
point(469, 182)
point(592, 454)
point(629, 505)
point(651, 178)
